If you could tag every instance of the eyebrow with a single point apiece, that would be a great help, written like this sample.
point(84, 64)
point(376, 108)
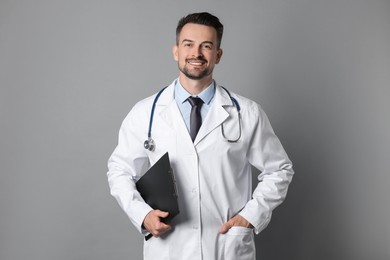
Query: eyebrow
point(188, 40)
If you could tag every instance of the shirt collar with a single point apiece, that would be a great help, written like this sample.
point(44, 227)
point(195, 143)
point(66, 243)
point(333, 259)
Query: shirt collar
point(206, 95)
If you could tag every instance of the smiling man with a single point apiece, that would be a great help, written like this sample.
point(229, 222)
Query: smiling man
point(213, 138)
point(197, 50)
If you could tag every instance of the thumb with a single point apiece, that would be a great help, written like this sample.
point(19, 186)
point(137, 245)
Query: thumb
point(225, 228)
point(162, 214)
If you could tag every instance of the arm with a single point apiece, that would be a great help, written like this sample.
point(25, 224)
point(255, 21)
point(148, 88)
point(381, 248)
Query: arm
point(267, 155)
point(125, 167)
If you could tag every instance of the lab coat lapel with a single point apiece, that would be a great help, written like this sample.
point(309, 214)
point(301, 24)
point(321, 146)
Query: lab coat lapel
point(166, 107)
point(216, 115)
point(170, 114)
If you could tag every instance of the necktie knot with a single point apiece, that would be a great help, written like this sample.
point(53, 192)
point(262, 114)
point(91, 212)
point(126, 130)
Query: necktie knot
point(195, 101)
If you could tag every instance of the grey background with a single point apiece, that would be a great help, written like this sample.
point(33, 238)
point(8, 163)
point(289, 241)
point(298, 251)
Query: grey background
point(71, 70)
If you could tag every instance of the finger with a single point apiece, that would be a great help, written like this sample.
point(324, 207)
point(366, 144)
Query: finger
point(164, 227)
point(161, 214)
point(161, 229)
point(154, 224)
point(152, 221)
point(225, 227)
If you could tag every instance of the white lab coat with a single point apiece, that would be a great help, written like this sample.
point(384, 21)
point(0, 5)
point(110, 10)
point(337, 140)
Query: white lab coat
point(213, 176)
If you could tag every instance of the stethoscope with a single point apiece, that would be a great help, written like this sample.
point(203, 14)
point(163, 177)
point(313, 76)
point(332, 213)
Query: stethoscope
point(149, 143)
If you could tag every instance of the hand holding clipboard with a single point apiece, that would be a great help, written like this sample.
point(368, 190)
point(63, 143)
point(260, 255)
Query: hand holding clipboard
point(158, 189)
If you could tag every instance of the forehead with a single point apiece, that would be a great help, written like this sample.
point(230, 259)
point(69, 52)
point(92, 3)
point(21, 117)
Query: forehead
point(198, 32)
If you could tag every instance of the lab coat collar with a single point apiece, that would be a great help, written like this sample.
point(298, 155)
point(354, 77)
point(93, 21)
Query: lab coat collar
point(215, 117)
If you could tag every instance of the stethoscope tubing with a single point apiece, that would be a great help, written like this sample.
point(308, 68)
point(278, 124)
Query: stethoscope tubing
point(152, 112)
point(149, 143)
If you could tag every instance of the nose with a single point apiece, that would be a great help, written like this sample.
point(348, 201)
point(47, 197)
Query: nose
point(197, 52)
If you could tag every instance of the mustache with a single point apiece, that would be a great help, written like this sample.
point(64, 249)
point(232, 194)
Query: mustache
point(196, 59)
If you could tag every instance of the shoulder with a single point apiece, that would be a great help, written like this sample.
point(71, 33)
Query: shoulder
point(143, 104)
point(139, 110)
point(251, 112)
point(247, 105)
point(161, 97)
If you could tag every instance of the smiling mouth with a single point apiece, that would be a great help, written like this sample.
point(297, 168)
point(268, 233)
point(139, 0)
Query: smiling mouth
point(196, 62)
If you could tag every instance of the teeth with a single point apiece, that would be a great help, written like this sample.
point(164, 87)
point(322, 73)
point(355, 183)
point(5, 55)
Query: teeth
point(196, 63)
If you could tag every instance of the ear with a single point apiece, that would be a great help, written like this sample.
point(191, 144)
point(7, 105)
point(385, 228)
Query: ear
point(175, 52)
point(219, 55)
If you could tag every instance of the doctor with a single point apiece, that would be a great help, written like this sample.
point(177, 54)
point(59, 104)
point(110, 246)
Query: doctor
point(219, 213)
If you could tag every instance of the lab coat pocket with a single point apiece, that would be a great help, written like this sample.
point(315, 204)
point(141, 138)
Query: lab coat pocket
point(239, 244)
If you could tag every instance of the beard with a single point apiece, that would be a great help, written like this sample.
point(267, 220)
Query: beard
point(195, 74)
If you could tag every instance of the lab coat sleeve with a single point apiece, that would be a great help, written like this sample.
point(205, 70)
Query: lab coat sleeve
point(125, 167)
point(267, 155)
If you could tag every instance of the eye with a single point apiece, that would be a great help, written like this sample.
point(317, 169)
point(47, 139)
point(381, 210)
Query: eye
point(207, 46)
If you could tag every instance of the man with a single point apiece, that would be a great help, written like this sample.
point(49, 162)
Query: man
point(219, 214)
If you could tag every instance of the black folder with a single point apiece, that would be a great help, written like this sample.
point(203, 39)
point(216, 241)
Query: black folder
point(158, 188)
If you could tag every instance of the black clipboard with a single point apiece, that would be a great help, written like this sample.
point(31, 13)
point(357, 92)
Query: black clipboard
point(158, 188)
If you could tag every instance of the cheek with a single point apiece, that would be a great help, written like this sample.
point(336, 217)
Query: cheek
point(217, 59)
point(180, 57)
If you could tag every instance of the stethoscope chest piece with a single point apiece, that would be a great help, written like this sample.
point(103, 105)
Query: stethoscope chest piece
point(149, 144)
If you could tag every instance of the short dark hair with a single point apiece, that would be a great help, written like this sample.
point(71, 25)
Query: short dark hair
point(203, 18)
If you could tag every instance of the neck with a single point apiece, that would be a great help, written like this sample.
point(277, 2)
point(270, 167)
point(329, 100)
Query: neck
point(194, 87)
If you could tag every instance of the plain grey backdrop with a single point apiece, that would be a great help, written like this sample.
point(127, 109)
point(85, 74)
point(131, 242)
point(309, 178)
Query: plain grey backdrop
point(71, 70)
